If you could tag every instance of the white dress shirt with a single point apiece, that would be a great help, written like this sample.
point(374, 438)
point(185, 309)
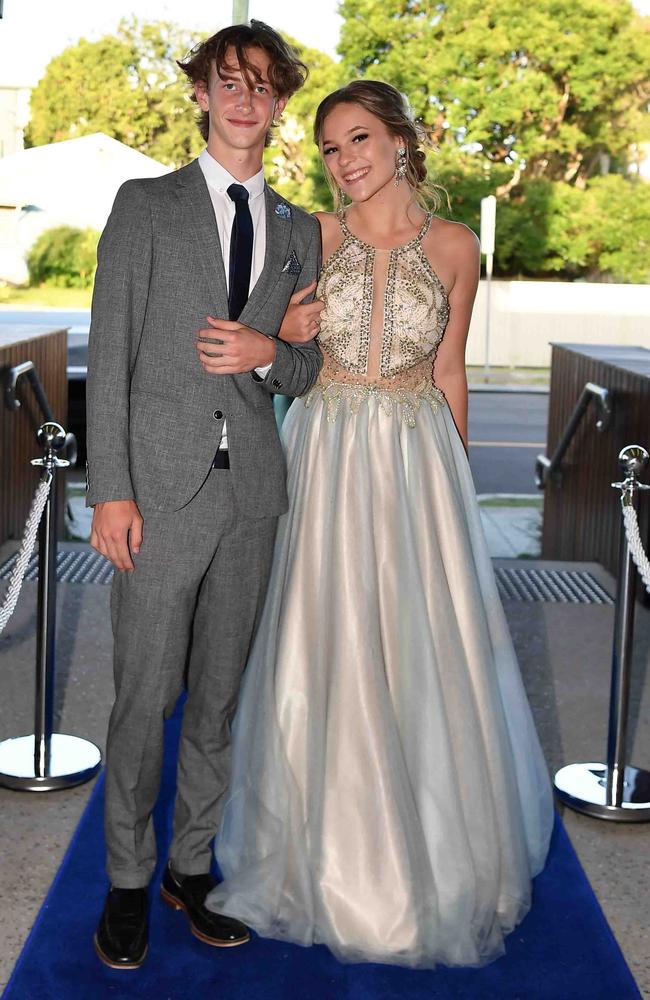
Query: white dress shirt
point(219, 180)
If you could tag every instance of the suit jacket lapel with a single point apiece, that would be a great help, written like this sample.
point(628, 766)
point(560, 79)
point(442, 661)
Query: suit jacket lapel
point(196, 201)
point(195, 197)
point(278, 239)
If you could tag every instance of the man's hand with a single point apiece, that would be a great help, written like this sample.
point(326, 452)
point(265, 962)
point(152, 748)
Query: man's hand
point(228, 348)
point(117, 531)
point(301, 323)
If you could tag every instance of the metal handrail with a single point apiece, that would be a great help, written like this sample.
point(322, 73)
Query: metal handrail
point(546, 467)
point(13, 376)
point(28, 370)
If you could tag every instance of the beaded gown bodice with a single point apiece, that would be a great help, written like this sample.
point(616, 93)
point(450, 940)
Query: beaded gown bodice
point(385, 314)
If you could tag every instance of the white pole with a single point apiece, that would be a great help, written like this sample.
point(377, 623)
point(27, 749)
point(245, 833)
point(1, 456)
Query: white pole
point(488, 229)
point(239, 11)
point(488, 310)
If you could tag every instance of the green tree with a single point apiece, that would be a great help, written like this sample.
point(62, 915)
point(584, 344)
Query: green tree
point(534, 103)
point(546, 86)
point(126, 85)
point(542, 232)
point(552, 228)
point(64, 257)
point(292, 162)
point(617, 216)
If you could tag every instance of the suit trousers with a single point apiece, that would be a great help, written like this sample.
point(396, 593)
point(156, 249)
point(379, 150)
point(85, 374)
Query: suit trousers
point(185, 615)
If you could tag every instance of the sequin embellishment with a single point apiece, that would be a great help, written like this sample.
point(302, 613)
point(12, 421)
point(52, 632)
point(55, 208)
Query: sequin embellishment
point(415, 314)
point(408, 401)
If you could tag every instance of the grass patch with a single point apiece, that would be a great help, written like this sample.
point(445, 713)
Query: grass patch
point(509, 376)
point(46, 296)
point(512, 502)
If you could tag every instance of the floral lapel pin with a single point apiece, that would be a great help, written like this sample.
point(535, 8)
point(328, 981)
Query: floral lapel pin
point(283, 211)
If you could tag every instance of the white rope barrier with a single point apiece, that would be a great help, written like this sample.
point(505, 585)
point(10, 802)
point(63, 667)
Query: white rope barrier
point(26, 549)
point(631, 525)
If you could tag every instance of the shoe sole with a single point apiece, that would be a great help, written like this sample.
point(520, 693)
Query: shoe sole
point(117, 965)
point(177, 904)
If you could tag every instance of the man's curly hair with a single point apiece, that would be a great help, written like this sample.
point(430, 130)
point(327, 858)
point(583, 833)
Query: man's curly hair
point(286, 71)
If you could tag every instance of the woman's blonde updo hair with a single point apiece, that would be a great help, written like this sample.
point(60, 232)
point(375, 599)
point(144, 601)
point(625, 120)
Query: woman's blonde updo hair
point(393, 110)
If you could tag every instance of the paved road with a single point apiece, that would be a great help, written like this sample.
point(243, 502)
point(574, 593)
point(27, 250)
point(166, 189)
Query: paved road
point(507, 430)
point(49, 317)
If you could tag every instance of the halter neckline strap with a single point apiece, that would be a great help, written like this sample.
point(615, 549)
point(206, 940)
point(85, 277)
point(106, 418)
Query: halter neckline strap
point(424, 229)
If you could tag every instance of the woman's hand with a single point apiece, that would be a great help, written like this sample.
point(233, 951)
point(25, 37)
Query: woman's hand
point(301, 323)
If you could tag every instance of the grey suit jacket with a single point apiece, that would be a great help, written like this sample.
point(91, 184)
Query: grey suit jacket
point(154, 417)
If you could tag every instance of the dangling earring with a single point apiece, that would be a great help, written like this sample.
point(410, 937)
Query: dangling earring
point(342, 196)
point(401, 158)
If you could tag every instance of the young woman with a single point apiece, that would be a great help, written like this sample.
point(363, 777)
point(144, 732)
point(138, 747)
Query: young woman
point(389, 796)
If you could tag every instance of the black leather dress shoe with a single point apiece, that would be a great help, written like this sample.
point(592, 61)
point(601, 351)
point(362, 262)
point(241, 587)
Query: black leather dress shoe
point(121, 938)
point(188, 892)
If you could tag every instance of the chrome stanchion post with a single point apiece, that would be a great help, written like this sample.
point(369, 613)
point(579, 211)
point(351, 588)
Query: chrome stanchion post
point(623, 630)
point(615, 790)
point(45, 760)
point(51, 437)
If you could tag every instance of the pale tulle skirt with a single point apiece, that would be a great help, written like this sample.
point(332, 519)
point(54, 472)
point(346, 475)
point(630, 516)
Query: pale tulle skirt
point(389, 796)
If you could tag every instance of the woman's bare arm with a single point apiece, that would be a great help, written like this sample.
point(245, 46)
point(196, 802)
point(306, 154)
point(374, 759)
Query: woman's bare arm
point(301, 323)
point(463, 254)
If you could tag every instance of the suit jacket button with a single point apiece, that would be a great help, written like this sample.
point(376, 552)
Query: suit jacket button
point(276, 383)
point(217, 414)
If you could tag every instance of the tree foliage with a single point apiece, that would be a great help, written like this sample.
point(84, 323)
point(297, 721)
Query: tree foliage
point(64, 257)
point(546, 86)
point(554, 229)
point(125, 85)
point(535, 103)
point(293, 163)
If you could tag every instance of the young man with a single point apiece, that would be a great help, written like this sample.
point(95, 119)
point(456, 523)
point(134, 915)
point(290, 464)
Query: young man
point(185, 467)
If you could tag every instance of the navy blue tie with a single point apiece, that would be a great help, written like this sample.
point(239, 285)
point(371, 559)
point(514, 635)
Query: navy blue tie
point(241, 251)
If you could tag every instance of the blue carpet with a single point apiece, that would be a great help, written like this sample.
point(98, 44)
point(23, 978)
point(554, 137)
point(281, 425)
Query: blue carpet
point(563, 950)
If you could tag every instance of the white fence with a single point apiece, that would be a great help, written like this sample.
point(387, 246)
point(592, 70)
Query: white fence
point(526, 316)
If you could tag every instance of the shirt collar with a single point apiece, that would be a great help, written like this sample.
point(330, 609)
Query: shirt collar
point(218, 178)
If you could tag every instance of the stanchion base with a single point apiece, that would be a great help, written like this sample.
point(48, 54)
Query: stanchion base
point(72, 761)
point(583, 787)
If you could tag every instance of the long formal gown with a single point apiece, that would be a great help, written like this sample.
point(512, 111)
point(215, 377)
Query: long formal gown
point(389, 796)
